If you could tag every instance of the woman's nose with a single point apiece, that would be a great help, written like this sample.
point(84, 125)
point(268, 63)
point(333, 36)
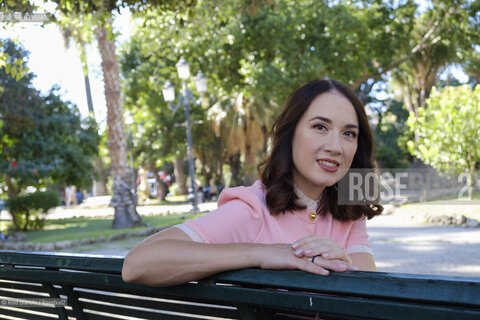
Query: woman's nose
point(333, 144)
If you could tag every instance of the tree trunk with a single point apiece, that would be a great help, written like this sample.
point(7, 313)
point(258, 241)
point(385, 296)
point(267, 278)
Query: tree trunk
point(250, 165)
point(179, 175)
point(124, 198)
point(235, 168)
point(11, 190)
point(89, 95)
point(219, 171)
point(87, 79)
point(161, 190)
point(471, 180)
point(100, 185)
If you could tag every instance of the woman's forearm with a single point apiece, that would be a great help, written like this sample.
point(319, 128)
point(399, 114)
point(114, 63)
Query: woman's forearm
point(162, 262)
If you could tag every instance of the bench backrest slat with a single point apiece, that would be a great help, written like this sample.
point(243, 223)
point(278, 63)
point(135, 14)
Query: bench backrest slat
point(136, 301)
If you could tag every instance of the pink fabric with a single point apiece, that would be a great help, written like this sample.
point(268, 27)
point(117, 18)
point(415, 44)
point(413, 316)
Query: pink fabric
point(243, 216)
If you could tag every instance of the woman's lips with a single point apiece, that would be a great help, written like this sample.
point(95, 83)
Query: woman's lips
point(328, 165)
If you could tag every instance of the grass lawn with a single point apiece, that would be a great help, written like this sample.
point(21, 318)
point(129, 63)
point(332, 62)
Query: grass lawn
point(81, 228)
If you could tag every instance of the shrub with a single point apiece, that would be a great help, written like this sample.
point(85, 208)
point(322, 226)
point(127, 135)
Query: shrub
point(29, 211)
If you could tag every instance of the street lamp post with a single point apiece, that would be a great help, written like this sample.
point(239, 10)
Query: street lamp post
point(129, 122)
point(169, 95)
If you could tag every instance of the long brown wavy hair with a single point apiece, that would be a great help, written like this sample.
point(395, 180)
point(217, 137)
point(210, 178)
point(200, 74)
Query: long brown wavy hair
point(277, 173)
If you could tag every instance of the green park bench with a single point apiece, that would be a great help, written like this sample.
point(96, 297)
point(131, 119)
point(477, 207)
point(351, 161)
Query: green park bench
point(94, 290)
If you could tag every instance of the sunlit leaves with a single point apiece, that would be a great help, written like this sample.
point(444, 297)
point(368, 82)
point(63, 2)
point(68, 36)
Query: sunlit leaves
point(42, 139)
point(448, 129)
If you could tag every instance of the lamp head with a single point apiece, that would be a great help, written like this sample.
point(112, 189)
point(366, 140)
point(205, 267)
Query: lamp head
point(201, 82)
point(168, 92)
point(183, 69)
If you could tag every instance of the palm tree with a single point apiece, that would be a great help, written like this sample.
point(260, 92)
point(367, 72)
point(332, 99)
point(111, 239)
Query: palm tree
point(72, 28)
point(124, 197)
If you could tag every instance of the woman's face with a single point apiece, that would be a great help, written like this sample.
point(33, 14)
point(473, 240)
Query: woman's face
point(324, 143)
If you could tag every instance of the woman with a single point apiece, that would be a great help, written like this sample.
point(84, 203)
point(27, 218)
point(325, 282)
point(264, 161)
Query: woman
point(288, 220)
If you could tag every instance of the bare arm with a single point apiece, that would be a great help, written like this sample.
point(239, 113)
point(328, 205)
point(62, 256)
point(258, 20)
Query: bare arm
point(364, 261)
point(170, 257)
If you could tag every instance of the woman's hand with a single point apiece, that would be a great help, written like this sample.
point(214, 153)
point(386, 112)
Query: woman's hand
point(327, 253)
point(282, 256)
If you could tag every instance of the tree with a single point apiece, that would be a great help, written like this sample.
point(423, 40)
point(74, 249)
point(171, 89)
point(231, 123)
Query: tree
point(448, 131)
point(446, 31)
point(124, 197)
point(43, 139)
point(13, 67)
point(80, 31)
point(255, 55)
point(390, 135)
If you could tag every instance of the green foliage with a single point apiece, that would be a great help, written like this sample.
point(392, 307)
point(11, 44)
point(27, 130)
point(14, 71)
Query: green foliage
point(10, 6)
point(445, 33)
point(43, 140)
point(448, 129)
point(28, 211)
point(11, 65)
point(390, 135)
point(96, 6)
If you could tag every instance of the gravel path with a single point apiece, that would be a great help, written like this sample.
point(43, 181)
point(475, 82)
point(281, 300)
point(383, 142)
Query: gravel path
point(403, 246)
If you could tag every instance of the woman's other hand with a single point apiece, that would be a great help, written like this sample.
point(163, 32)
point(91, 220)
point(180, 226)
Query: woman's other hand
point(327, 253)
point(282, 256)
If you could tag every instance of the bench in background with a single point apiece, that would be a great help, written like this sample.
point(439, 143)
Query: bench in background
point(94, 290)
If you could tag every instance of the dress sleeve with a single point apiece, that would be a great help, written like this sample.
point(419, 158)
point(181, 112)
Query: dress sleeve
point(238, 218)
point(357, 240)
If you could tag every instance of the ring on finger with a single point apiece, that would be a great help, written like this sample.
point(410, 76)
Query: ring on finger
point(313, 258)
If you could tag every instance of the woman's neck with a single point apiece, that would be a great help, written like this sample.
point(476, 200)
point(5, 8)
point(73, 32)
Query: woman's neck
point(303, 199)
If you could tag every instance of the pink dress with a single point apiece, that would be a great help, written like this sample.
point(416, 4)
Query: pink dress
point(242, 216)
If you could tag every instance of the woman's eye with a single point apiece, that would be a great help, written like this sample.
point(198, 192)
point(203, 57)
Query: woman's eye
point(352, 134)
point(319, 126)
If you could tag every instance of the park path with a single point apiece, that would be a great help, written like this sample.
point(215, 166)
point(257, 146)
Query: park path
point(403, 245)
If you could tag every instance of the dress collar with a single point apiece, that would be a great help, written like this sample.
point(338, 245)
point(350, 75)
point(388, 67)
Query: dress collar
point(306, 201)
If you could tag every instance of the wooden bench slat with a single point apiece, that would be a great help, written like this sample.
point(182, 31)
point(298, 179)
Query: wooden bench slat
point(62, 260)
point(96, 316)
point(179, 306)
point(24, 314)
point(141, 314)
point(427, 288)
point(20, 285)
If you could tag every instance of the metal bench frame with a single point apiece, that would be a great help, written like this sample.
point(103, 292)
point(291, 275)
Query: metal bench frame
point(94, 289)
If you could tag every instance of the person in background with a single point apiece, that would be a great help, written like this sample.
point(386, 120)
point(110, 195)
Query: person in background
point(290, 218)
point(213, 192)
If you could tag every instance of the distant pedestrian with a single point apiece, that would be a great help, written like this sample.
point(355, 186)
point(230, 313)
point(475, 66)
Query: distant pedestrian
point(213, 193)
